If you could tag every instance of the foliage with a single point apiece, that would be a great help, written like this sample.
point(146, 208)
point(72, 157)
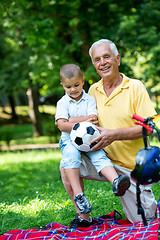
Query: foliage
point(6, 134)
point(40, 36)
point(142, 39)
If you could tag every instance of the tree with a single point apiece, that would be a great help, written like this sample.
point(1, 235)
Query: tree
point(40, 36)
point(142, 39)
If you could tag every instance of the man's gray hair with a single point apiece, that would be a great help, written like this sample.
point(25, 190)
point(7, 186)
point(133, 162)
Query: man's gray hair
point(101, 42)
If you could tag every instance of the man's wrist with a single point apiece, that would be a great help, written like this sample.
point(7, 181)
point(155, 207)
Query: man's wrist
point(116, 135)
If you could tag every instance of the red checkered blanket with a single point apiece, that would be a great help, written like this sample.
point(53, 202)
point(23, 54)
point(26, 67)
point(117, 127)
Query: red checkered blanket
point(108, 228)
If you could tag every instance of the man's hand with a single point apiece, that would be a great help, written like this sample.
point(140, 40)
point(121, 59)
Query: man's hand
point(108, 136)
point(103, 140)
point(93, 120)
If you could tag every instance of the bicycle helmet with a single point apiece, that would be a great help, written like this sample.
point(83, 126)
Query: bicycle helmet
point(147, 169)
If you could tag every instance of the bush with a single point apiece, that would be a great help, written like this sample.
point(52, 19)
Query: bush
point(6, 135)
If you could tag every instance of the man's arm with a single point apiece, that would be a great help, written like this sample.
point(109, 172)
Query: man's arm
point(108, 136)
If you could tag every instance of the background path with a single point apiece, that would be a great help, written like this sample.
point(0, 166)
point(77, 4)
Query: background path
point(30, 147)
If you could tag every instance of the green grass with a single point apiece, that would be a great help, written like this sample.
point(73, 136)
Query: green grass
point(32, 194)
point(31, 191)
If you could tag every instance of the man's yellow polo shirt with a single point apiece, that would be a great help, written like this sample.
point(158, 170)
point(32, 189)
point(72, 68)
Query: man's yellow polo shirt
point(116, 111)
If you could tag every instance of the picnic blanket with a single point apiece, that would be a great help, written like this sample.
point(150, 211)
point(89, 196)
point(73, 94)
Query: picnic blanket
point(107, 228)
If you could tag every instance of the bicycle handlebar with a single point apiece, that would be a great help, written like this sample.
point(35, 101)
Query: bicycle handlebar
point(141, 122)
point(138, 118)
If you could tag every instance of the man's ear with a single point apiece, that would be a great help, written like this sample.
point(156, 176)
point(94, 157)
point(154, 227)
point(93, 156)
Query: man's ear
point(119, 59)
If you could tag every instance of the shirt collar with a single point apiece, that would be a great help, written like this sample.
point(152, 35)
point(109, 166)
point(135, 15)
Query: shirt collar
point(84, 97)
point(125, 81)
point(124, 84)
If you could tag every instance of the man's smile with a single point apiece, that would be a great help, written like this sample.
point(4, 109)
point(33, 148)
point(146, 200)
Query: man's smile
point(104, 69)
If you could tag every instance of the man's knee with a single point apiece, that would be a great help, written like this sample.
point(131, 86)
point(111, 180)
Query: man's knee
point(149, 203)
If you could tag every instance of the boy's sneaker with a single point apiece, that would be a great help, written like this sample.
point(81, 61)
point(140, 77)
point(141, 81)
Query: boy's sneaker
point(82, 203)
point(78, 222)
point(75, 221)
point(120, 185)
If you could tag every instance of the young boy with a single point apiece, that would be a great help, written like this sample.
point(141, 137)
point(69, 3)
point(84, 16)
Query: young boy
point(78, 106)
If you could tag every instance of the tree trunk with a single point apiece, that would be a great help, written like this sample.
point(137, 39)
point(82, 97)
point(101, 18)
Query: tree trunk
point(12, 104)
point(34, 113)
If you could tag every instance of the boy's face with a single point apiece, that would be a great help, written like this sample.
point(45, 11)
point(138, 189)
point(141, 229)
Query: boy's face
point(73, 87)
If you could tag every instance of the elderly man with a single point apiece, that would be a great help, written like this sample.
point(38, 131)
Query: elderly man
point(118, 97)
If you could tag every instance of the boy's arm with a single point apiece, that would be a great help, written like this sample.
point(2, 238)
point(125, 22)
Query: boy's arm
point(66, 125)
point(90, 118)
point(91, 115)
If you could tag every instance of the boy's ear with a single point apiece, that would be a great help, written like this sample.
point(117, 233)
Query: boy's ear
point(83, 80)
point(61, 84)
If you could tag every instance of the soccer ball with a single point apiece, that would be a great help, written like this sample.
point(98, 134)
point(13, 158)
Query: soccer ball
point(81, 135)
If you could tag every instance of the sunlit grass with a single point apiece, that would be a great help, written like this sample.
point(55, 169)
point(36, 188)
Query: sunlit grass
point(31, 187)
point(24, 110)
point(32, 194)
point(31, 191)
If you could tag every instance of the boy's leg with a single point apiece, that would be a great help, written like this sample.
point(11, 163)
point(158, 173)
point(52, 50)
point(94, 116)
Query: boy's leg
point(80, 199)
point(120, 184)
point(71, 161)
point(110, 173)
point(68, 187)
point(105, 168)
point(73, 176)
point(71, 195)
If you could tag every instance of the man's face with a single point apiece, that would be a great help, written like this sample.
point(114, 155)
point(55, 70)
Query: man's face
point(105, 61)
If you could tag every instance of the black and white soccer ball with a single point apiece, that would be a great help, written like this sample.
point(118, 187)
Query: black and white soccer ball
point(81, 135)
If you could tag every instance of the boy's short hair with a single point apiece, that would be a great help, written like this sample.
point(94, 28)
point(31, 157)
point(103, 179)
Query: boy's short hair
point(70, 70)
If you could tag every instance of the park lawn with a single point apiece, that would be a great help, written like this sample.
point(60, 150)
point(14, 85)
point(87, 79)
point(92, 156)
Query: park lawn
point(32, 194)
point(31, 191)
